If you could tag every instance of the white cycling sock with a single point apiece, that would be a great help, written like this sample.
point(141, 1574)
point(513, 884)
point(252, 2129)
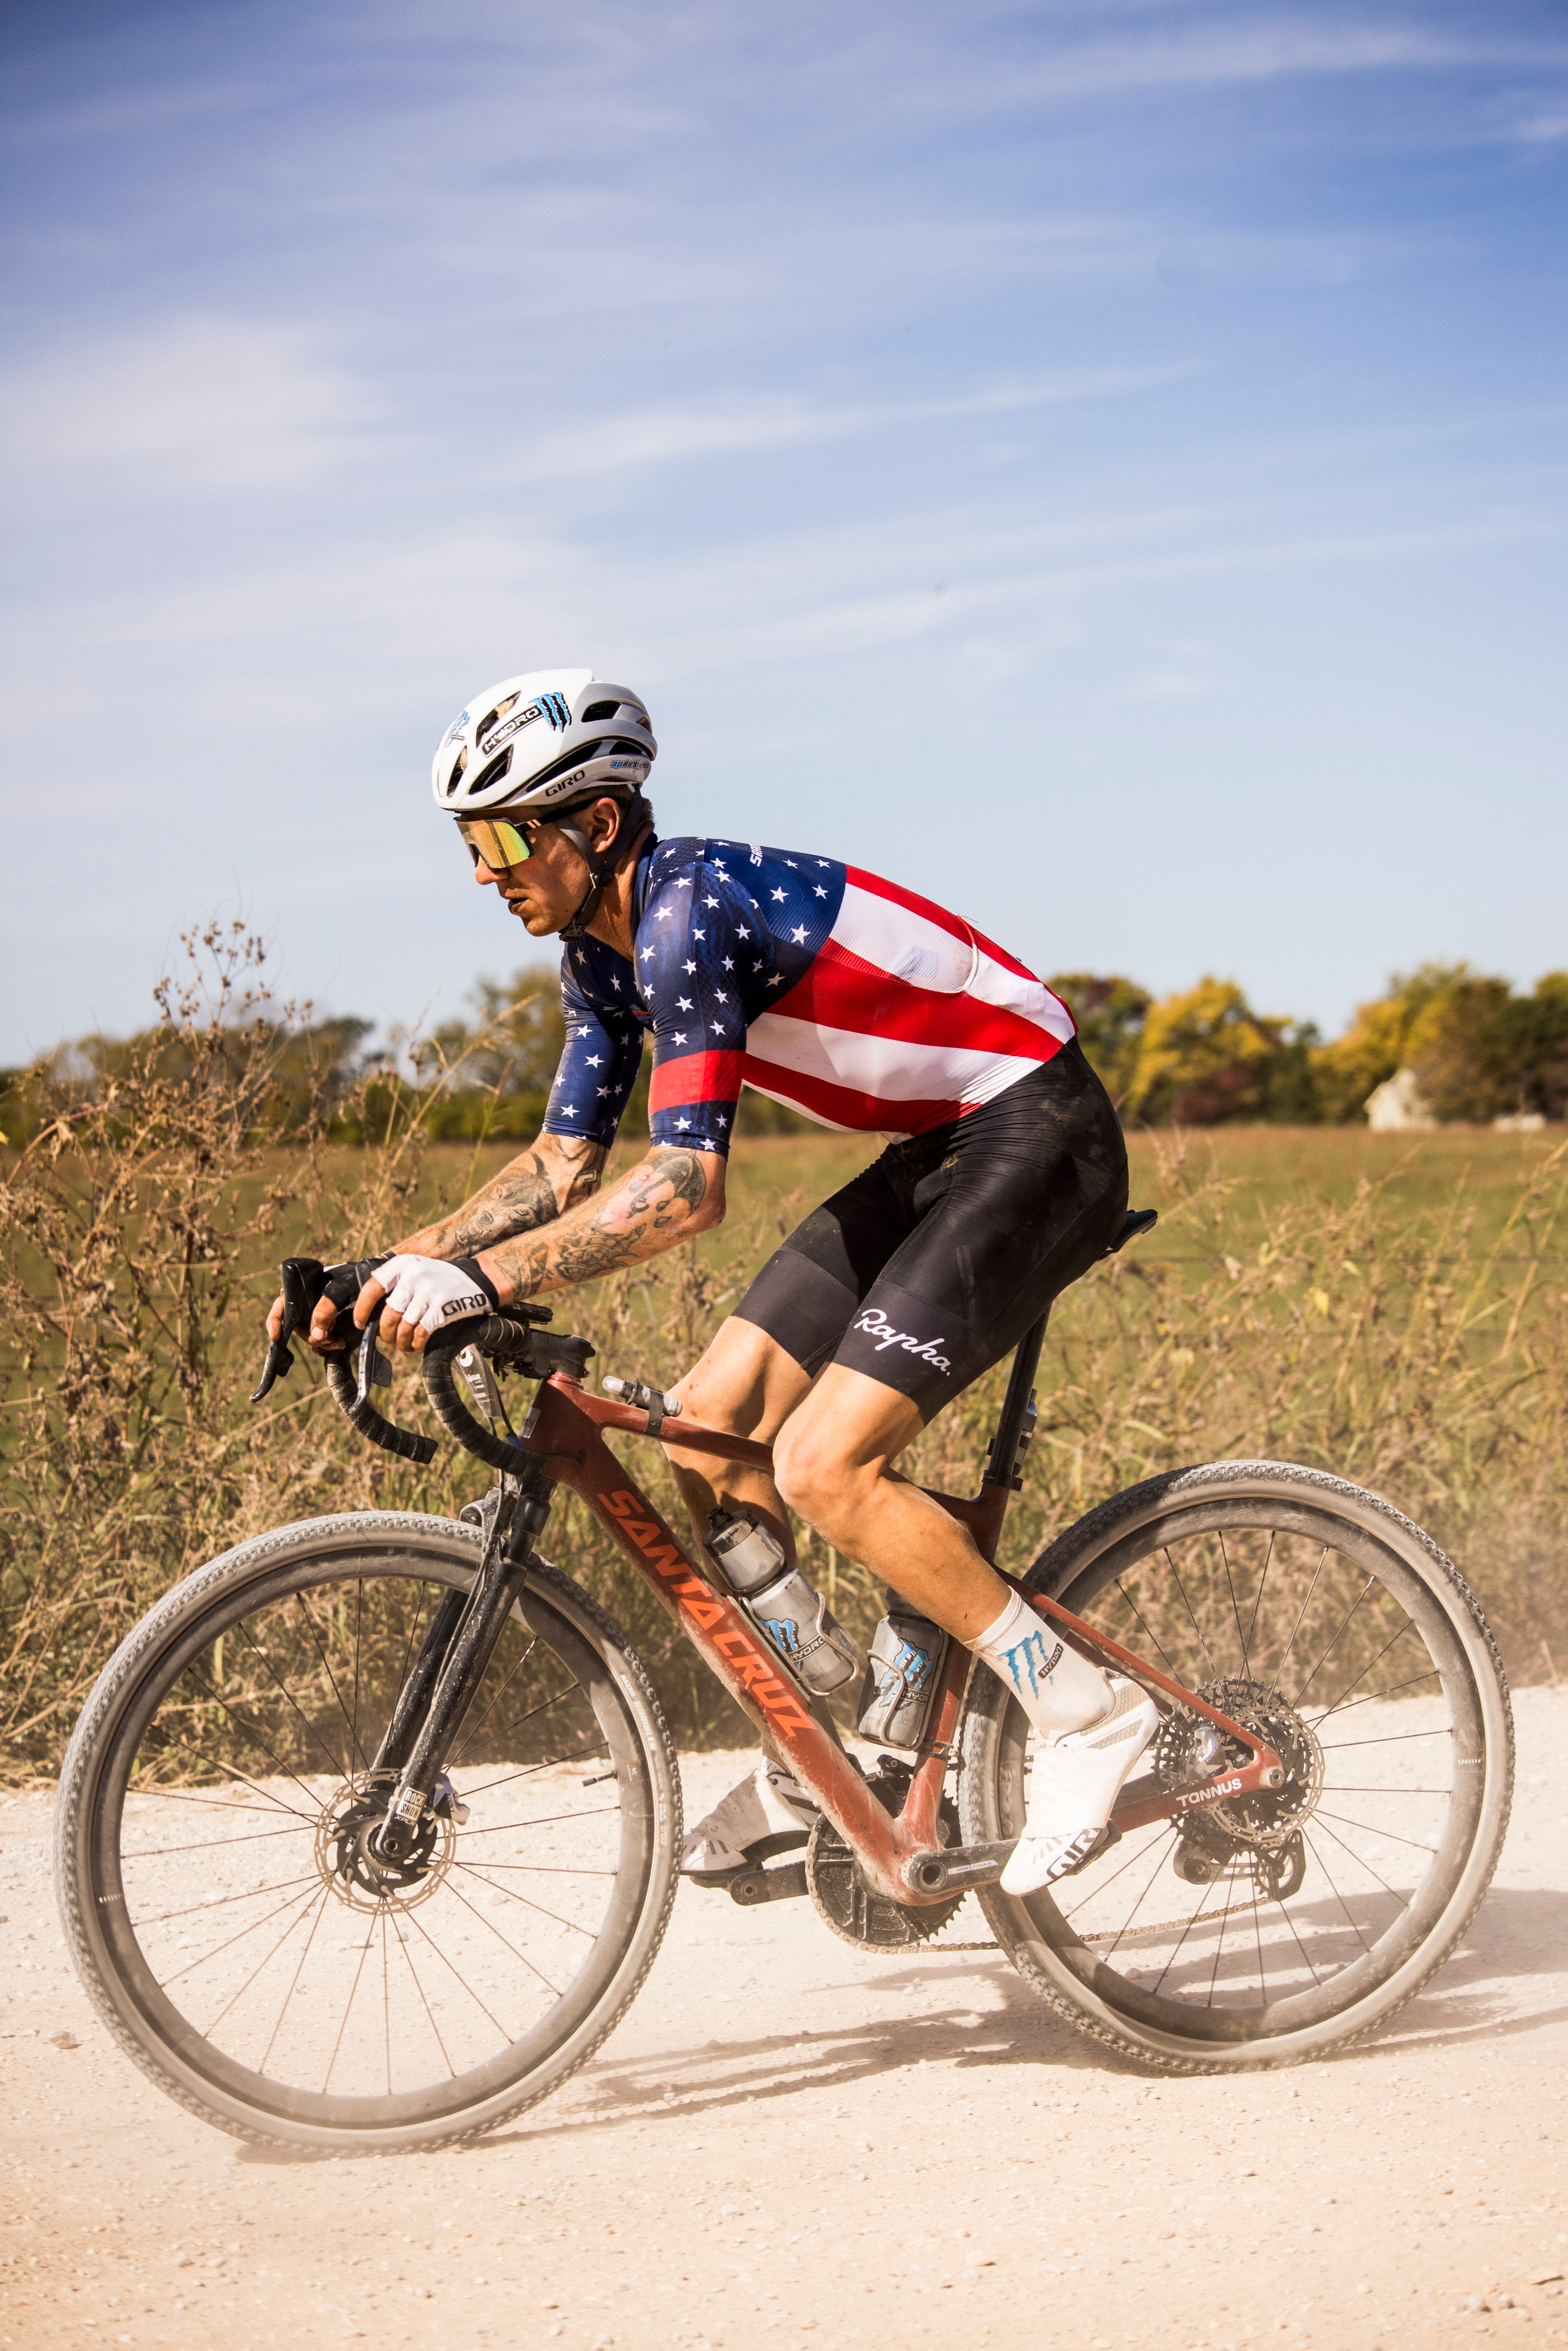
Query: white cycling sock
point(1058, 1690)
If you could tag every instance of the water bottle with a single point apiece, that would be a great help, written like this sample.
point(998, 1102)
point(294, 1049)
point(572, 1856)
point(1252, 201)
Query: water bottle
point(783, 1605)
point(746, 1553)
point(814, 1646)
point(901, 1673)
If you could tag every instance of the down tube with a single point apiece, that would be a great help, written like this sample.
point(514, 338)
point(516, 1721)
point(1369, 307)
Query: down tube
point(724, 1636)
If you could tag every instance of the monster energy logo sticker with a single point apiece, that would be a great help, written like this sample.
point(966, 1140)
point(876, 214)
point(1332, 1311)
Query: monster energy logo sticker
point(1027, 1656)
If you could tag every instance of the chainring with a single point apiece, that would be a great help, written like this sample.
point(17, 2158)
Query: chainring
point(1189, 1747)
point(856, 1913)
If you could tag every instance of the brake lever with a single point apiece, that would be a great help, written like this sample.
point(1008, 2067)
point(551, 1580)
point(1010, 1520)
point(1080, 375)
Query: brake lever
point(302, 1279)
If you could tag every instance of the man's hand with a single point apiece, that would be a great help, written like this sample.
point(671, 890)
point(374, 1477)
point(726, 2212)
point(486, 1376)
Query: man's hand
point(423, 1295)
point(341, 1285)
point(319, 1334)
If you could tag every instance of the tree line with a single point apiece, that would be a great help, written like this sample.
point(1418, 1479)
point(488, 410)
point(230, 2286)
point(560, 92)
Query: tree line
point(1199, 1057)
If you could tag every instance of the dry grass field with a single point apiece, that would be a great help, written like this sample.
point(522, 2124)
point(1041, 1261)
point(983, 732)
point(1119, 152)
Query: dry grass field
point(1388, 1307)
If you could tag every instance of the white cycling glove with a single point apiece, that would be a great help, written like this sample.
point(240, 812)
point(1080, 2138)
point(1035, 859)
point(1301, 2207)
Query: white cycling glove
point(432, 1292)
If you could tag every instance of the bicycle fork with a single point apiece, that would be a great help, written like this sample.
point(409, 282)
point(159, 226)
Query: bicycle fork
point(456, 1649)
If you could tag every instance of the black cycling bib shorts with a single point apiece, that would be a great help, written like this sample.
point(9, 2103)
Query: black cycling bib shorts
point(930, 1265)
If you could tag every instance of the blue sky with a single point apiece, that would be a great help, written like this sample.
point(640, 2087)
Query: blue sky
point(1102, 464)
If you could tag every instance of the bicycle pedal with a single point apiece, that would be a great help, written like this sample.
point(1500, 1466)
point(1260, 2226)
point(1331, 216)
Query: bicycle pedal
point(749, 1886)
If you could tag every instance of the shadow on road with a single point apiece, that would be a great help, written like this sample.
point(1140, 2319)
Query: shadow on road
point(1519, 1933)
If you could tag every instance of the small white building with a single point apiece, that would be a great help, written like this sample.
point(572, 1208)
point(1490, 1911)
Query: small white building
point(1397, 1107)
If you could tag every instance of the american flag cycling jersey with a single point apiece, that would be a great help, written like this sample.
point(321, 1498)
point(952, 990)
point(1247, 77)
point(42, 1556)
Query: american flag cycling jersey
point(865, 1007)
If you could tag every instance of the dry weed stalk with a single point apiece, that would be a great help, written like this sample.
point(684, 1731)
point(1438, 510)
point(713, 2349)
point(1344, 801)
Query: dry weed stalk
point(139, 1228)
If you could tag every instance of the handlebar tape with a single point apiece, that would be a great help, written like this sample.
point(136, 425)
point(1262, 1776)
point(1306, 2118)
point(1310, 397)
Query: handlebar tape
point(489, 1336)
point(364, 1416)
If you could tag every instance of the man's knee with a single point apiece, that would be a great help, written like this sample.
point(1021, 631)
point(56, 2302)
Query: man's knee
point(814, 1478)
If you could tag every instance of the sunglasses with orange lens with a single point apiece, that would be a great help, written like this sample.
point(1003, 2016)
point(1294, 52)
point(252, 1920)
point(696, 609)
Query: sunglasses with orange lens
point(497, 842)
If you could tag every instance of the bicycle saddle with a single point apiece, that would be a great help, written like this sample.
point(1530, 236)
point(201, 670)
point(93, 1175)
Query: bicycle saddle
point(1136, 1222)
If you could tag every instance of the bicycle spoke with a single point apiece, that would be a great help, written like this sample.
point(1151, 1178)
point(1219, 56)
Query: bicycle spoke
point(546, 1820)
point(414, 1921)
point(1362, 1863)
point(216, 1845)
point(1257, 1596)
point(347, 2004)
point(350, 1720)
point(1235, 1611)
point(513, 1895)
point(294, 1984)
point(472, 1731)
point(402, 1943)
point(511, 1947)
point(220, 1901)
point(1148, 1629)
point(333, 1763)
point(1338, 1896)
point(550, 1764)
point(1372, 1698)
point(1339, 1632)
point(1220, 1940)
point(1301, 1620)
point(205, 1958)
point(1367, 1830)
point(265, 1960)
point(358, 1624)
point(1392, 1640)
point(1196, 1627)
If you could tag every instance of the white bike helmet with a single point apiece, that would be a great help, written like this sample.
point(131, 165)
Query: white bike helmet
point(542, 741)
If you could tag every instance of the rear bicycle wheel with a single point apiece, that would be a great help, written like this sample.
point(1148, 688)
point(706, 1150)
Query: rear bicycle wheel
point(221, 1905)
point(1263, 1930)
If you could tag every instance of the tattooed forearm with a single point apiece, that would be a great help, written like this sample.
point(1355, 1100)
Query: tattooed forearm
point(670, 1195)
point(540, 1184)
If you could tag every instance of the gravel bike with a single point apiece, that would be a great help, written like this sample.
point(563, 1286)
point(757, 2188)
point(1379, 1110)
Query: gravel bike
point(368, 1833)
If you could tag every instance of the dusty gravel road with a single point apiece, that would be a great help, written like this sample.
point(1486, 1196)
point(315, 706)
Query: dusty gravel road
point(787, 2143)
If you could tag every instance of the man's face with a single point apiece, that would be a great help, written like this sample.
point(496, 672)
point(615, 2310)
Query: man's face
point(545, 892)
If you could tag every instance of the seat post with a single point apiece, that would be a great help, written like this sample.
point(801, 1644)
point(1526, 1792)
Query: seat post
point(1015, 1405)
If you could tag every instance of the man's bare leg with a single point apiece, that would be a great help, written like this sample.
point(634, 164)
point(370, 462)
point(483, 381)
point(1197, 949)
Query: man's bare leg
point(747, 1385)
point(833, 1462)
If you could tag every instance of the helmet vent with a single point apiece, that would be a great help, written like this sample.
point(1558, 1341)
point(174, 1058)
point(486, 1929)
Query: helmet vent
point(597, 710)
point(493, 772)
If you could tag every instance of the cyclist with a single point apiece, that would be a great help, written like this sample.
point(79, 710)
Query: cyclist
point(870, 1009)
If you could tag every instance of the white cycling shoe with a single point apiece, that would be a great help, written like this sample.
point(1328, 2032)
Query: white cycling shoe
point(1074, 1786)
point(769, 1808)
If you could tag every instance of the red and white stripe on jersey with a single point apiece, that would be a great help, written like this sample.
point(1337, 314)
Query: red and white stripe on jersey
point(906, 1018)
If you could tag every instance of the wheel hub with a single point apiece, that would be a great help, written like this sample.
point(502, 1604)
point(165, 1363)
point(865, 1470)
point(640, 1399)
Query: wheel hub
point(356, 1872)
point(1265, 1820)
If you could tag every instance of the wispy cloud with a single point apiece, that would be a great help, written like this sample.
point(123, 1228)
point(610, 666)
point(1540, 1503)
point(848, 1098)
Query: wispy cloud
point(658, 436)
point(200, 405)
point(1239, 50)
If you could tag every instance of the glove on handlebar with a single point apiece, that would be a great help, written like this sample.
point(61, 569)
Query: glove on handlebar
point(436, 1292)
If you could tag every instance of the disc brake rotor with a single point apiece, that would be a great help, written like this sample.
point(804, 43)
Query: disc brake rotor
point(356, 1872)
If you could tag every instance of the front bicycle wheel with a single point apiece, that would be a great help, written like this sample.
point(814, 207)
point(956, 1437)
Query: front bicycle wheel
point(1264, 1929)
point(225, 1911)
